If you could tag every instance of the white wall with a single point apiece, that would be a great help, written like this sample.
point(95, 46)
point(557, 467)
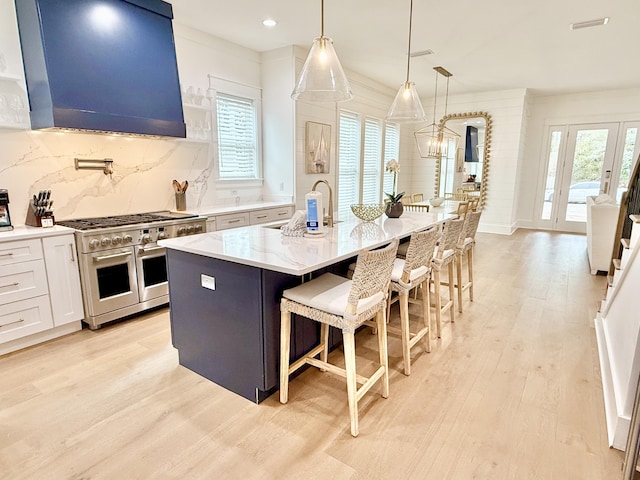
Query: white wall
point(594, 107)
point(507, 111)
point(278, 125)
point(370, 98)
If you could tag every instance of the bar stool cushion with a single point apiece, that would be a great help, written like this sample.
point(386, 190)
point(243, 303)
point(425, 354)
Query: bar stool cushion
point(398, 268)
point(445, 254)
point(330, 292)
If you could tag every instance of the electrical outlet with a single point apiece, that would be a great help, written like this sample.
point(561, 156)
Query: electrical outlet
point(208, 282)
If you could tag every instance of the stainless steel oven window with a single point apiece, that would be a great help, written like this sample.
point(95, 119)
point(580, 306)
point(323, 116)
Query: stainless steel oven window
point(113, 280)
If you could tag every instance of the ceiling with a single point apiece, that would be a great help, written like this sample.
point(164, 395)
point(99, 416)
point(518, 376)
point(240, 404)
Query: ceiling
point(486, 45)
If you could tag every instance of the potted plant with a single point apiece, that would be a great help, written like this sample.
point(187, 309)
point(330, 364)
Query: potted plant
point(394, 206)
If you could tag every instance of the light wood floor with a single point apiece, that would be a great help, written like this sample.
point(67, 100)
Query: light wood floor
point(511, 391)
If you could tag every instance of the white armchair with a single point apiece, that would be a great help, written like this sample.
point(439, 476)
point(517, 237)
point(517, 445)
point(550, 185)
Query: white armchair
point(602, 219)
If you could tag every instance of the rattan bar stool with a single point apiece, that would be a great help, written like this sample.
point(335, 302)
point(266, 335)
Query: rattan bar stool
point(410, 273)
point(464, 248)
point(445, 257)
point(344, 304)
point(417, 197)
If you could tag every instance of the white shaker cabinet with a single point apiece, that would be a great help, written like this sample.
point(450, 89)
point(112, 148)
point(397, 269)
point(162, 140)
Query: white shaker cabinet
point(64, 279)
point(24, 303)
point(40, 296)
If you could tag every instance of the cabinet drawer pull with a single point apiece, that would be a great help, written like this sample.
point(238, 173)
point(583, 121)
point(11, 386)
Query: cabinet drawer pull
point(14, 284)
point(283, 213)
point(234, 221)
point(261, 216)
point(10, 254)
point(73, 255)
point(12, 323)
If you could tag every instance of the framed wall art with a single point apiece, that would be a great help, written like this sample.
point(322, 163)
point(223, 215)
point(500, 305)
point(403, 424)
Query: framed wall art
point(317, 147)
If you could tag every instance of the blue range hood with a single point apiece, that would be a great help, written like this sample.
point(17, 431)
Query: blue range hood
point(101, 65)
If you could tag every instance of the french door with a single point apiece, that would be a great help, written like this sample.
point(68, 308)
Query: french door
point(586, 160)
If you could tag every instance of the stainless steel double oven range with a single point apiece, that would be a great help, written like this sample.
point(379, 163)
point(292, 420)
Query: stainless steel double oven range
point(122, 268)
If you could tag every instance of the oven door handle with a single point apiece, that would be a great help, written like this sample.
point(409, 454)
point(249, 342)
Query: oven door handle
point(149, 249)
point(109, 257)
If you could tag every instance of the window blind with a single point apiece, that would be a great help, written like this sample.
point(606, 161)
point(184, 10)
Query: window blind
point(372, 157)
point(348, 163)
point(237, 137)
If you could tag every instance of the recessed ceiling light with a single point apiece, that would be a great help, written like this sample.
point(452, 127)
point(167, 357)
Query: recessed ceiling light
point(589, 23)
point(268, 22)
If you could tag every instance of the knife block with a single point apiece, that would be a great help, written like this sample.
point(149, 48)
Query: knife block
point(38, 221)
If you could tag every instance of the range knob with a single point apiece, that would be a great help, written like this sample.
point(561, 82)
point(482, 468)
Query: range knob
point(94, 243)
point(198, 228)
point(127, 239)
point(146, 238)
point(117, 240)
point(182, 230)
point(190, 229)
point(162, 235)
point(105, 242)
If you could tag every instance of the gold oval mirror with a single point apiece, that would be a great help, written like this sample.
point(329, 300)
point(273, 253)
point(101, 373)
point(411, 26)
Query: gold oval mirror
point(465, 172)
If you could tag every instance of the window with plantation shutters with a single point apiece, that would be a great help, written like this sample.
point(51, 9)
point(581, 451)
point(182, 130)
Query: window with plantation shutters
point(348, 163)
point(364, 148)
point(391, 152)
point(371, 164)
point(237, 137)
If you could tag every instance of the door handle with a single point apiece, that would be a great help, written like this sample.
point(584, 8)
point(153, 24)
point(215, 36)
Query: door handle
point(150, 249)
point(109, 257)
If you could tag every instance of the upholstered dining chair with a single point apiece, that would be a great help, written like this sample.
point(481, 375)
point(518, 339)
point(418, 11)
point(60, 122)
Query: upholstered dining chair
point(345, 304)
point(444, 257)
point(462, 209)
point(408, 274)
point(464, 248)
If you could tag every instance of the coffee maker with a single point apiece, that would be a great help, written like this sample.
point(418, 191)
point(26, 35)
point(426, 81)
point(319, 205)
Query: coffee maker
point(5, 218)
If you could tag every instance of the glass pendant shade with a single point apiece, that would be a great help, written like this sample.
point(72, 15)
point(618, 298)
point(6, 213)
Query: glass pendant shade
point(322, 78)
point(434, 141)
point(406, 107)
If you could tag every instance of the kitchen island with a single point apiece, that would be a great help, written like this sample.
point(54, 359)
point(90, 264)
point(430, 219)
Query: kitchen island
point(225, 289)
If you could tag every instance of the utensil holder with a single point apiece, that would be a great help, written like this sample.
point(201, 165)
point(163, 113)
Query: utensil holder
point(181, 201)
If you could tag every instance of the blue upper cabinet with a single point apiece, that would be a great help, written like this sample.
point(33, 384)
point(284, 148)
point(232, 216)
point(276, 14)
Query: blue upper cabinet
point(101, 65)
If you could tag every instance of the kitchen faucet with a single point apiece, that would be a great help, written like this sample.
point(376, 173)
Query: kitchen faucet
point(328, 218)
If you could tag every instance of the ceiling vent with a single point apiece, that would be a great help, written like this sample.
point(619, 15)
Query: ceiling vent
point(422, 53)
point(589, 23)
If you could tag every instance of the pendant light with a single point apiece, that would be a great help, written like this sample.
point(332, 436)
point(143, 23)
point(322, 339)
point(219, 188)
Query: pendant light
point(322, 78)
point(435, 139)
point(406, 107)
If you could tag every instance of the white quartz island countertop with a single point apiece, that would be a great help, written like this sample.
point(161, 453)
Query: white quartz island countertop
point(265, 247)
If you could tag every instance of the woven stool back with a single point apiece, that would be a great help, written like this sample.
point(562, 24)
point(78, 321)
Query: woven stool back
point(372, 274)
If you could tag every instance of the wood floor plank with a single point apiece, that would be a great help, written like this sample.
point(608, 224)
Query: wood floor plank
point(511, 390)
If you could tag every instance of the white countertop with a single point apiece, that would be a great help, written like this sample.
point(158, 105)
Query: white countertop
point(207, 211)
point(264, 247)
point(24, 231)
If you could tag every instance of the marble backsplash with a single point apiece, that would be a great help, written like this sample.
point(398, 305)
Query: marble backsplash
point(143, 170)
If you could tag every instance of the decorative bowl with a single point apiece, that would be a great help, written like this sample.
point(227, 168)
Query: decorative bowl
point(367, 212)
point(436, 201)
